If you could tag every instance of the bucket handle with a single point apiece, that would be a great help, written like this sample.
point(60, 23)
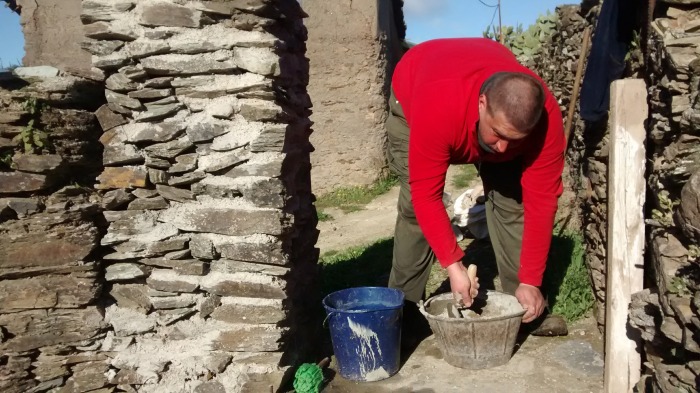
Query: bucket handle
point(325, 320)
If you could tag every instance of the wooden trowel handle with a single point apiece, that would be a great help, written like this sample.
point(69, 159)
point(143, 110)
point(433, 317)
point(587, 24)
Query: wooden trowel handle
point(471, 273)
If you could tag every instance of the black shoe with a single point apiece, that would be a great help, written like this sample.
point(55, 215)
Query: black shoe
point(547, 325)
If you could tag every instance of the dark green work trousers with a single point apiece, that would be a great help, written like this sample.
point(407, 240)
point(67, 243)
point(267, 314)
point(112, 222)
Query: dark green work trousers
point(413, 256)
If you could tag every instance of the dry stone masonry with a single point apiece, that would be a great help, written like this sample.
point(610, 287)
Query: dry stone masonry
point(156, 212)
point(667, 315)
point(206, 189)
point(556, 62)
point(51, 327)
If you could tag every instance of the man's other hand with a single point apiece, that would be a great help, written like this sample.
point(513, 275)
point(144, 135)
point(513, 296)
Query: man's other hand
point(532, 301)
point(460, 283)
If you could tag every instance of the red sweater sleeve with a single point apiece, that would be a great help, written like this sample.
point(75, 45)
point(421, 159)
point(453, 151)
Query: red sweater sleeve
point(542, 186)
point(428, 159)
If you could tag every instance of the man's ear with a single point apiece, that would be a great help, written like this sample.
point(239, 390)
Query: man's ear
point(482, 102)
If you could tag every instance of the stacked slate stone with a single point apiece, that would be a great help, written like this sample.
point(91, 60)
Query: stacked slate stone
point(50, 326)
point(585, 174)
point(589, 149)
point(206, 190)
point(667, 315)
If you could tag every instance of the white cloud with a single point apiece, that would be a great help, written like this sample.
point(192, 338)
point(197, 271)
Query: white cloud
point(424, 7)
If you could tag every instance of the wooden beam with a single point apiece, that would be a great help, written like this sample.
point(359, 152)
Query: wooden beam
point(626, 194)
point(577, 84)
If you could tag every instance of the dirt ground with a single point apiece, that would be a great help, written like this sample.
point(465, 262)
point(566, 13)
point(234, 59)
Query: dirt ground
point(562, 364)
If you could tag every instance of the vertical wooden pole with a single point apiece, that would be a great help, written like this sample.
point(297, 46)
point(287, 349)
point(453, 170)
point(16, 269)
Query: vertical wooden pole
point(626, 194)
point(577, 83)
point(500, 26)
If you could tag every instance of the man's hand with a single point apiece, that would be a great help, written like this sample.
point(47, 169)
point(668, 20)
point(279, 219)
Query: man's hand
point(532, 301)
point(461, 284)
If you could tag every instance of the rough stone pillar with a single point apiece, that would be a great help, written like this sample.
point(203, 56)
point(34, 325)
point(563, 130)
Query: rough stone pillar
point(211, 265)
point(352, 48)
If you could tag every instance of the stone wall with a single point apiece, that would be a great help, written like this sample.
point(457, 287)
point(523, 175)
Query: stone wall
point(206, 190)
point(667, 314)
point(51, 326)
point(164, 239)
point(352, 48)
point(556, 62)
point(53, 34)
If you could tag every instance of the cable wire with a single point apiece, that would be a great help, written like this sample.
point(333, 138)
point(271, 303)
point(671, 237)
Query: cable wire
point(492, 18)
point(488, 5)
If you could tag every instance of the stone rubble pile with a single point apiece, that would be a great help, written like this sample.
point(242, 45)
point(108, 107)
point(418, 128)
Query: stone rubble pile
point(206, 191)
point(51, 327)
point(667, 315)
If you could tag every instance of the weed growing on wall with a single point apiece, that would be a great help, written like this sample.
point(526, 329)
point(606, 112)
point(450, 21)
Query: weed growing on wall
point(33, 139)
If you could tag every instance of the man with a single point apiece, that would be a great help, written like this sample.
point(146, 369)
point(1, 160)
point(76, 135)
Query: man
point(457, 101)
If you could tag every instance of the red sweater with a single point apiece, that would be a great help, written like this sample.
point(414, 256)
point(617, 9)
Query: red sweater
point(437, 84)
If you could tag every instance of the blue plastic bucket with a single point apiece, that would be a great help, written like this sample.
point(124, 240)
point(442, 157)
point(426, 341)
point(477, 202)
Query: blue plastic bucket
point(365, 325)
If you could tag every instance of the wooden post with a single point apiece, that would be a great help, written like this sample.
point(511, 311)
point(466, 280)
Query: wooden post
point(577, 83)
point(626, 194)
point(500, 26)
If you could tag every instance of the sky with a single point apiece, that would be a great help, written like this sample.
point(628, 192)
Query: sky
point(425, 19)
point(429, 19)
point(11, 39)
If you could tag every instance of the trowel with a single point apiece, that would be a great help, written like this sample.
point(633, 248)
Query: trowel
point(458, 309)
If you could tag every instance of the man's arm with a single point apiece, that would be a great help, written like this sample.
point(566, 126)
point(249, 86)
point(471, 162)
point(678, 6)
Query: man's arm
point(542, 186)
point(434, 122)
point(434, 118)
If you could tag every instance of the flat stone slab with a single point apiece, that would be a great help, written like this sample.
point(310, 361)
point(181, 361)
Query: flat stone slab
point(169, 14)
point(579, 356)
point(122, 177)
point(36, 72)
point(124, 272)
point(47, 240)
point(34, 329)
point(225, 217)
point(13, 182)
point(178, 64)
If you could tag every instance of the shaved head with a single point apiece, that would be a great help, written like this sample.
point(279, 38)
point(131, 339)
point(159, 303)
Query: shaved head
point(519, 96)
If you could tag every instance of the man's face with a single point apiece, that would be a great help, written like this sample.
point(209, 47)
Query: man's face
point(495, 131)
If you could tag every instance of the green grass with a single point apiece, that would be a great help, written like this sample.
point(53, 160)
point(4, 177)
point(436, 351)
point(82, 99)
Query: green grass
point(350, 199)
point(570, 293)
point(323, 216)
point(465, 176)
